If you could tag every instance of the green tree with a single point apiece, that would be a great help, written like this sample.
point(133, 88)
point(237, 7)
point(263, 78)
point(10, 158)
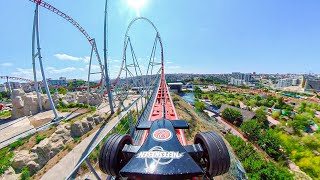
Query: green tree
point(232, 115)
point(261, 115)
point(252, 129)
point(199, 105)
point(197, 90)
point(62, 90)
point(300, 122)
point(270, 142)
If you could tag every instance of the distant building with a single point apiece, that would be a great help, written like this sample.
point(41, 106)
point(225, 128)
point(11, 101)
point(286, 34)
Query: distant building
point(57, 82)
point(177, 86)
point(3, 88)
point(13, 85)
point(240, 79)
point(188, 85)
point(288, 82)
point(312, 85)
point(237, 82)
point(246, 115)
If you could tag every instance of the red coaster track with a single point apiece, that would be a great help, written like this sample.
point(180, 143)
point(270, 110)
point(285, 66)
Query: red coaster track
point(163, 107)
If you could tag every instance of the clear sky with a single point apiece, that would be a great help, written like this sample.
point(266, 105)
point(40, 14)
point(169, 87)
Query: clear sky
point(204, 36)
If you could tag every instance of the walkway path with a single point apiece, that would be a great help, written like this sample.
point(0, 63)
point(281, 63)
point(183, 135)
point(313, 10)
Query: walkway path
point(233, 129)
point(13, 130)
point(66, 165)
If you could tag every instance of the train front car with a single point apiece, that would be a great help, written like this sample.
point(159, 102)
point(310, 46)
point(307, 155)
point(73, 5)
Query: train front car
point(162, 151)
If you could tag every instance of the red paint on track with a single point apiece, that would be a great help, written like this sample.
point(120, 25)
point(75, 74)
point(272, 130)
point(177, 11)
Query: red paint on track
point(163, 107)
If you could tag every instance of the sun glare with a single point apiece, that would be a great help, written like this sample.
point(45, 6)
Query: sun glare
point(136, 5)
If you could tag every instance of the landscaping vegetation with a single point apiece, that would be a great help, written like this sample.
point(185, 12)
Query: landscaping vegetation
point(5, 114)
point(5, 96)
point(232, 115)
point(199, 105)
point(39, 138)
point(255, 165)
point(6, 154)
point(292, 139)
point(64, 107)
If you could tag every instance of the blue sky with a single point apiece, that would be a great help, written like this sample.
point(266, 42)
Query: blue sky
point(206, 36)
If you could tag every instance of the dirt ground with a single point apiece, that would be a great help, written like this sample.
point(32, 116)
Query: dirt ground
point(32, 140)
point(196, 123)
point(68, 147)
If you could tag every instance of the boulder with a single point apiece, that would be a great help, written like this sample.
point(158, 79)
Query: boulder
point(17, 113)
point(89, 118)
point(33, 156)
point(55, 137)
point(85, 126)
point(17, 102)
point(60, 130)
point(43, 149)
point(33, 167)
point(10, 175)
point(96, 120)
point(45, 103)
point(57, 147)
point(65, 102)
point(17, 92)
point(67, 126)
point(76, 129)
point(82, 99)
point(21, 159)
point(31, 105)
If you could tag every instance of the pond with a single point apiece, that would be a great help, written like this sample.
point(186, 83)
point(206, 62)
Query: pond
point(189, 97)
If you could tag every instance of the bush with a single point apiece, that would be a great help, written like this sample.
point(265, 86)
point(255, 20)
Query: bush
point(39, 138)
point(25, 174)
point(255, 165)
point(252, 129)
point(62, 90)
point(232, 115)
point(199, 105)
point(16, 144)
point(5, 159)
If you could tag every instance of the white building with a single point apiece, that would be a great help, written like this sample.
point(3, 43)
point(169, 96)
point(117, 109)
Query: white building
point(288, 82)
point(237, 82)
point(3, 88)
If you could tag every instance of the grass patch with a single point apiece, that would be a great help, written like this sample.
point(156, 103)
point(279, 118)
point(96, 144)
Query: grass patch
point(39, 138)
point(16, 144)
point(64, 107)
point(67, 147)
point(5, 159)
point(77, 139)
point(25, 174)
point(5, 114)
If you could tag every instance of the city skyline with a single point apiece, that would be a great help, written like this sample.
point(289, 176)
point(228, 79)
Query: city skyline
point(221, 37)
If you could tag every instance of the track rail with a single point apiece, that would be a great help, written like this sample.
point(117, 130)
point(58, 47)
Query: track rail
point(163, 107)
point(79, 27)
point(16, 78)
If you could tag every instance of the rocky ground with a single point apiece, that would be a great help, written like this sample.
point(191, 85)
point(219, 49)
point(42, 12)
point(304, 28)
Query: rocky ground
point(198, 123)
point(35, 157)
point(26, 104)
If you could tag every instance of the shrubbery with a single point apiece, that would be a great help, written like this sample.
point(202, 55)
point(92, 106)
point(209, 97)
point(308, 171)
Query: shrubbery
point(255, 165)
point(39, 138)
point(62, 106)
point(199, 105)
point(5, 159)
point(232, 115)
point(25, 174)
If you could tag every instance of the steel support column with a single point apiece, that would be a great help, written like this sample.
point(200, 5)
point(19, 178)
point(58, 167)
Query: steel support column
point(105, 53)
point(9, 86)
point(36, 39)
